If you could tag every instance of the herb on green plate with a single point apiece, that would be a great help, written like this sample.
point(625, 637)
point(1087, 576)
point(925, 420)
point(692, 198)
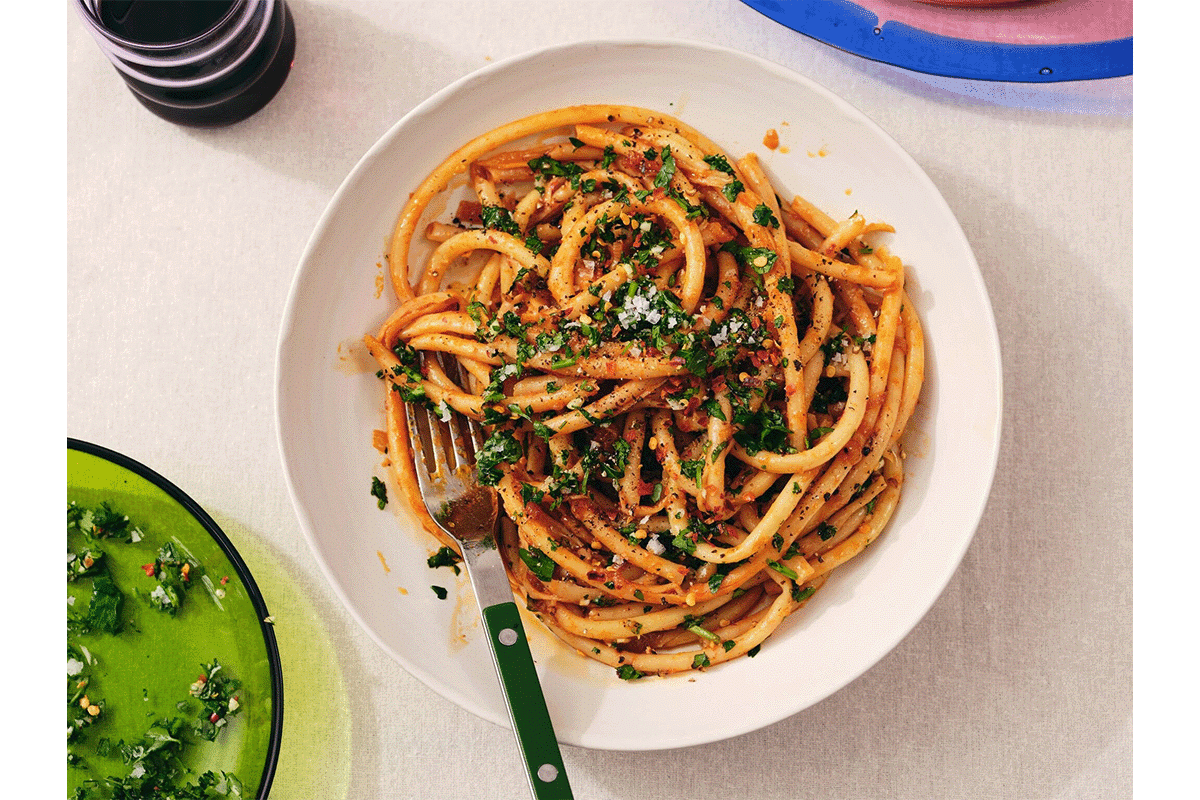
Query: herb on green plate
point(218, 698)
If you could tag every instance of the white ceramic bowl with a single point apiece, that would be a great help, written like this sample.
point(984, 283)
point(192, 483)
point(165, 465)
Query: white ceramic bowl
point(329, 400)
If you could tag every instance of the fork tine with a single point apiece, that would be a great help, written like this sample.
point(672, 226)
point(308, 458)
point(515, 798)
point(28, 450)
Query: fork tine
point(461, 441)
point(445, 456)
point(475, 432)
point(419, 444)
point(444, 451)
point(473, 437)
point(426, 438)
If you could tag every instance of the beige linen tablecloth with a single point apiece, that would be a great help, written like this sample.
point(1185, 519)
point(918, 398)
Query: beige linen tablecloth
point(182, 245)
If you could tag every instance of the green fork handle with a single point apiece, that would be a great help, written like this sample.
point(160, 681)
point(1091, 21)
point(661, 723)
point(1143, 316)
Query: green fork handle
point(526, 705)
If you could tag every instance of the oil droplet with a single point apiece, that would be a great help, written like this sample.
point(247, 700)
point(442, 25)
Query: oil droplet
point(353, 358)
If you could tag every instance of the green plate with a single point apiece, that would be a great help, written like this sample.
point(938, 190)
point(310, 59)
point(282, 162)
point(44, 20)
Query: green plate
point(142, 672)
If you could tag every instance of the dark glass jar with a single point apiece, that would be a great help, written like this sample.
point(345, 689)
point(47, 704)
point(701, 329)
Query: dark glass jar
point(203, 63)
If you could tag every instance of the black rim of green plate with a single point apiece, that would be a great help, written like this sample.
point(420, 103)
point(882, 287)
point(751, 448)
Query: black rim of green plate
point(243, 572)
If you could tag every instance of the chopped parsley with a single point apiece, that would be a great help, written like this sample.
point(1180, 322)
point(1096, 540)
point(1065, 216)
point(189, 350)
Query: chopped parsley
point(800, 595)
point(764, 216)
point(540, 564)
point(499, 218)
point(759, 259)
point(713, 409)
point(783, 569)
point(715, 581)
point(411, 389)
point(501, 447)
point(545, 167)
point(627, 672)
point(174, 574)
point(83, 708)
point(531, 494)
point(610, 155)
point(720, 163)
point(379, 492)
point(533, 243)
point(218, 698)
point(693, 469)
point(732, 189)
point(102, 522)
point(104, 610)
point(815, 434)
point(667, 170)
point(701, 631)
point(444, 557)
point(834, 344)
point(764, 429)
point(88, 562)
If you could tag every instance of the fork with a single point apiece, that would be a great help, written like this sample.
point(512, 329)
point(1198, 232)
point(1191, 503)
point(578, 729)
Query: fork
point(469, 513)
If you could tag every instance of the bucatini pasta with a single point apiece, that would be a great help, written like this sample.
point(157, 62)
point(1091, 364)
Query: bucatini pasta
point(694, 389)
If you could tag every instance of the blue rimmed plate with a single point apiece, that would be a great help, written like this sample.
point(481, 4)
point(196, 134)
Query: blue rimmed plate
point(1035, 41)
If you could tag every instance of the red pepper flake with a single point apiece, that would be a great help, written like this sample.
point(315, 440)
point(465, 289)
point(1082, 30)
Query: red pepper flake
point(224, 580)
point(636, 162)
point(148, 569)
point(214, 717)
point(760, 358)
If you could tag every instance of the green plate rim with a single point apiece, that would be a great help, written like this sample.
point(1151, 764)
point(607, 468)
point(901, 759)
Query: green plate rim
point(243, 572)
